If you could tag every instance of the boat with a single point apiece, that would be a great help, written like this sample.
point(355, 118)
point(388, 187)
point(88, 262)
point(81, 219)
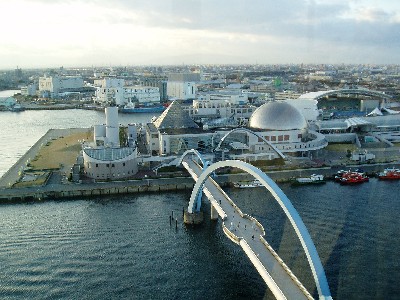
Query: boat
point(312, 179)
point(17, 108)
point(353, 178)
point(389, 174)
point(251, 184)
point(345, 174)
point(150, 108)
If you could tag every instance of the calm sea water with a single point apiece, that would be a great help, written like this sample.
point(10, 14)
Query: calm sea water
point(124, 247)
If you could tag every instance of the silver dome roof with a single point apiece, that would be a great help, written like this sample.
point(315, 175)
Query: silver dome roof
point(277, 116)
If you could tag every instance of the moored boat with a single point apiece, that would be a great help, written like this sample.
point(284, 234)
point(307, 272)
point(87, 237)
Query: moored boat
point(17, 108)
point(389, 174)
point(132, 108)
point(313, 179)
point(353, 178)
point(345, 174)
point(251, 184)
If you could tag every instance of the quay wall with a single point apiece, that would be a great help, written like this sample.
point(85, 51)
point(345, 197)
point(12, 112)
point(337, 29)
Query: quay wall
point(98, 189)
point(95, 189)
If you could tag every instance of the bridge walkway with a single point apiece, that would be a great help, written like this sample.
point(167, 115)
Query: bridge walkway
point(248, 233)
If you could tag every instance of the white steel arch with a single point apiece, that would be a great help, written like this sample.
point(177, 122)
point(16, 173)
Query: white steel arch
point(321, 94)
point(291, 213)
point(204, 162)
point(251, 132)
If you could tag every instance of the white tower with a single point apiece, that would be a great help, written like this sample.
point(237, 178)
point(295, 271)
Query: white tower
point(112, 126)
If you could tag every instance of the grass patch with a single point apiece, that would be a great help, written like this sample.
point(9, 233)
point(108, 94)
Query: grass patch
point(37, 179)
point(340, 147)
point(60, 152)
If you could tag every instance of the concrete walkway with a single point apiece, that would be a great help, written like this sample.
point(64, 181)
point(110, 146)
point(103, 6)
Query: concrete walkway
point(249, 234)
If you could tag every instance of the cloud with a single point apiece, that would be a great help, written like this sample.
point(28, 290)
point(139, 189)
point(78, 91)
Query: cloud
point(151, 31)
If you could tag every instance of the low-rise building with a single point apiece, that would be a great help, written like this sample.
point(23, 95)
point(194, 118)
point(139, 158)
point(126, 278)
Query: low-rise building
point(54, 85)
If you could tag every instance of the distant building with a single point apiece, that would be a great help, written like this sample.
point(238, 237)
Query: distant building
point(279, 96)
point(55, 85)
point(141, 94)
point(159, 82)
point(7, 103)
point(182, 85)
point(221, 105)
point(29, 90)
point(181, 90)
point(109, 90)
point(113, 90)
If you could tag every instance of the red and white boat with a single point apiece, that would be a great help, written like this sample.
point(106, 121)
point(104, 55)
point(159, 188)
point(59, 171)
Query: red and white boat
point(352, 177)
point(353, 174)
point(389, 174)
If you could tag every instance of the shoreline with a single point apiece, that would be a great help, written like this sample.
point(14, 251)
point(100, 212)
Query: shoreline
point(60, 189)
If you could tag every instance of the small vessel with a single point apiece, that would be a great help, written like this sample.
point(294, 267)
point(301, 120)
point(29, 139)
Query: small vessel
point(17, 107)
point(312, 179)
point(131, 107)
point(353, 178)
point(389, 174)
point(251, 184)
point(344, 174)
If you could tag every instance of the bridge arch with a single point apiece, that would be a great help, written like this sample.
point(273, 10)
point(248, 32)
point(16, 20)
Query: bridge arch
point(321, 94)
point(204, 162)
point(251, 132)
point(291, 213)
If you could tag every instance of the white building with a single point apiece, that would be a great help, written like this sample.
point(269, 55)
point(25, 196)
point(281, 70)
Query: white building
point(285, 127)
point(113, 90)
point(29, 90)
point(107, 160)
point(182, 85)
point(279, 96)
point(221, 105)
point(109, 90)
point(54, 85)
point(141, 94)
point(278, 123)
point(181, 90)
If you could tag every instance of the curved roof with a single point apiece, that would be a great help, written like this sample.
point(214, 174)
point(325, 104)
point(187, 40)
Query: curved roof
point(109, 154)
point(359, 91)
point(277, 116)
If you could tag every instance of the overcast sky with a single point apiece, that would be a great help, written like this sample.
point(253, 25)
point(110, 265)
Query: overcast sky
point(53, 33)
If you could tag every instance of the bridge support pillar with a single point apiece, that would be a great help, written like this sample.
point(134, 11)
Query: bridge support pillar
point(214, 213)
point(193, 218)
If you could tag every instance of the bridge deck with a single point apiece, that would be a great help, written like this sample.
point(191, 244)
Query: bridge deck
point(248, 233)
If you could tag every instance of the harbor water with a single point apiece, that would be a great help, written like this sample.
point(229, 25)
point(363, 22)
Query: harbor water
point(125, 247)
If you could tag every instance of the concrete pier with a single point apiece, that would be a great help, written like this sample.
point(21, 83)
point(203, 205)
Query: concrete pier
point(193, 218)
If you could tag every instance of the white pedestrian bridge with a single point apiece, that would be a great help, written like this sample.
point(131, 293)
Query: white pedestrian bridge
point(247, 232)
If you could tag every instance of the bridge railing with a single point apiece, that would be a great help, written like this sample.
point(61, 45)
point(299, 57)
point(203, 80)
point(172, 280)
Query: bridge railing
point(234, 238)
point(286, 268)
point(262, 270)
point(257, 223)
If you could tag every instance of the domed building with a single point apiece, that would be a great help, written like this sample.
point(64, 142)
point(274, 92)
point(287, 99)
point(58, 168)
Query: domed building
point(284, 126)
point(279, 116)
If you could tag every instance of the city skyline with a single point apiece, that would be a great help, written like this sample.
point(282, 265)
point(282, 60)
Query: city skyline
point(44, 33)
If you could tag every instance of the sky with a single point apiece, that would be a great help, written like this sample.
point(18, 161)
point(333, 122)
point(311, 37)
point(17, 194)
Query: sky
point(79, 33)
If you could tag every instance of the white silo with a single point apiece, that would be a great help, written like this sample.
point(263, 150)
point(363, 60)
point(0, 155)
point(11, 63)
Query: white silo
point(99, 131)
point(99, 134)
point(112, 127)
